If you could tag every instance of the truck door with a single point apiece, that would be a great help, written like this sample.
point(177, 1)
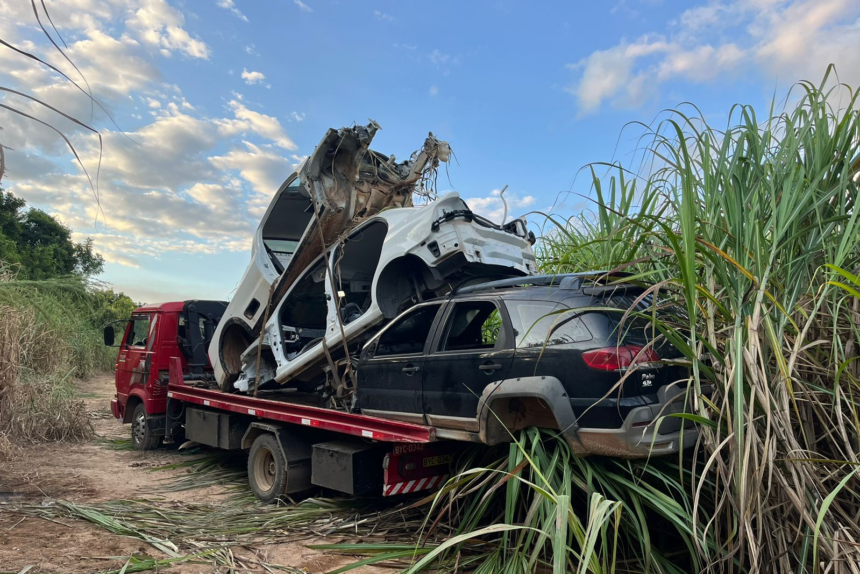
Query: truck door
point(473, 348)
point(389, 378)
point(135, 354)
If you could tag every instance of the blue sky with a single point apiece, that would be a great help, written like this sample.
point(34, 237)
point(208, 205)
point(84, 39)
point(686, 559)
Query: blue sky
point(219, 99)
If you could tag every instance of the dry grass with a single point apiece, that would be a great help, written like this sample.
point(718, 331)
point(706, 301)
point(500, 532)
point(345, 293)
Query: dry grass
point(8, 449)
point(38, 402)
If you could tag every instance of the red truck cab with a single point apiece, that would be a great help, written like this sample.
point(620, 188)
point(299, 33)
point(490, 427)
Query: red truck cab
point(150, 338)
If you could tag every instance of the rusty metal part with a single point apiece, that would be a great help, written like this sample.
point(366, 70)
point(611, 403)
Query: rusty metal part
point(348, 183)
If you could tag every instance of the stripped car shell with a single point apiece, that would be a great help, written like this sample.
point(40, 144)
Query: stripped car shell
point(341, 188)
point(390, 262)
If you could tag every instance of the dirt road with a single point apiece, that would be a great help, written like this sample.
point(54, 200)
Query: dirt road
point(91, 472)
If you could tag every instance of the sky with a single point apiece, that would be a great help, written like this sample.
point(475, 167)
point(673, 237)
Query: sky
point(204, 107)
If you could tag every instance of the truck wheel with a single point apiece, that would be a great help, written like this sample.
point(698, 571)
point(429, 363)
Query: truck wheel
point(267, 469)
point(141, 433)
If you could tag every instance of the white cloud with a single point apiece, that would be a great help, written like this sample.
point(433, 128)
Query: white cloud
point(605, 73)
point(802, 38)
point(168, 153)
point(493, 207)
point(264, 168)
point(298, 117)
point(158, 24)
point(250, 121)
point(231, 6)
point(114, 68)
point(383, 16)
point(302, 6)
point(84, 15)
point(252, 78)
point(217, 197)
point(789, 39)
point(438, 58)
point(433, 91)
point(167, 186)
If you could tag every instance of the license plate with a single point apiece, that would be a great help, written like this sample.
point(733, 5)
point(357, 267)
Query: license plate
point(438, 460)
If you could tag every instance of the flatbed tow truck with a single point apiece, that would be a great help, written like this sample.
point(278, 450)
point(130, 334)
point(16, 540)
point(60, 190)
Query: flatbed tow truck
point(371, 340)
point(166, 391)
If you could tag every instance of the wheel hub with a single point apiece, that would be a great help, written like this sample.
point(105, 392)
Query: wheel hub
point(139, 428)
point(265, 469)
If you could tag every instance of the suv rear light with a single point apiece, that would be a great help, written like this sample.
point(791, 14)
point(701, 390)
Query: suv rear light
point(615, 358)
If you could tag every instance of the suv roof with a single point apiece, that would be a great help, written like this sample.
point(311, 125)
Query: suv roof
point(560, 284)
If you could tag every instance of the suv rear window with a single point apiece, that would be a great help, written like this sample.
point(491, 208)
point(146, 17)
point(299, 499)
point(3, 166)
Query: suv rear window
point(537, 324)
point(634, 330)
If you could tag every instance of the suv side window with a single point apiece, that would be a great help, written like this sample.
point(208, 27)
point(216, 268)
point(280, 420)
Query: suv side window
point(473, 325)
point(138, 331)
point(538, 324)
point(408, 335)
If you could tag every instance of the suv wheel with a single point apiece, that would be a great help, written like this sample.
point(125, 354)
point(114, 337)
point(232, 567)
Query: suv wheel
point(141, 432)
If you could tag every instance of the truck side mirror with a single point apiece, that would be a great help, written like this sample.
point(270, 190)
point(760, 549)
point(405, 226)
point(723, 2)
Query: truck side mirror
point(109, 336)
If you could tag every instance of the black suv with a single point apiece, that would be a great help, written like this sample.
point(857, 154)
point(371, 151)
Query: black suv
point(546, 351)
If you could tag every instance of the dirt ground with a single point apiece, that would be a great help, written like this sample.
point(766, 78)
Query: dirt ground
point(90, 472)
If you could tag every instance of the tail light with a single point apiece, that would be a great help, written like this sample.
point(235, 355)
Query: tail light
point(615, 358)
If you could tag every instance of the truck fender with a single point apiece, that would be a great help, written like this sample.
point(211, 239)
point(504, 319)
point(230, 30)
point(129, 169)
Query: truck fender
point(548, 390)
point(136, 395)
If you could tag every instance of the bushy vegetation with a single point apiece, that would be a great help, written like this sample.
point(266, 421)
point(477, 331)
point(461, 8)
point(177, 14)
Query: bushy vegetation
point(50, 334)
point(39, 247)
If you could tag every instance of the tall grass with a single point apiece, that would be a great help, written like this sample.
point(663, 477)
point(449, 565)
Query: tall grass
point(750, 237)
point(49, 335)
point(754, 231)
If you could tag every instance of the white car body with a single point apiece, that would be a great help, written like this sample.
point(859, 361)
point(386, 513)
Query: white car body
point(461, 247)
point(341, 193)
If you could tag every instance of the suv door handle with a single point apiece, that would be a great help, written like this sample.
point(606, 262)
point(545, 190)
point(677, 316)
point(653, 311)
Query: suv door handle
point(410, 368)
point(490, 367)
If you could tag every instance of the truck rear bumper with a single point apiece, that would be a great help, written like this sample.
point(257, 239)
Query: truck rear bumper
point(114, 409)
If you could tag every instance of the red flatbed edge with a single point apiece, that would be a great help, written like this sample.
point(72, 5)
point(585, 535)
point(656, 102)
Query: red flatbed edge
point(328, 419)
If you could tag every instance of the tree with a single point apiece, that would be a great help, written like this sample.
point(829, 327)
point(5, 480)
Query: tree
point(40, 245)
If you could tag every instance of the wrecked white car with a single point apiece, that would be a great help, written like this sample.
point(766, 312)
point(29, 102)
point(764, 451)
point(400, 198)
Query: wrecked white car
point(341, 250)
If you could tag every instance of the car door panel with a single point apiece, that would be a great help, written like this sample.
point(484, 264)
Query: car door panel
point(391, 367)
point(135, 354)
point(455, 378)
point(392, 385)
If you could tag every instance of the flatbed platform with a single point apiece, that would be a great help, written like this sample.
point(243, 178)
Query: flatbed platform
point(328, 419)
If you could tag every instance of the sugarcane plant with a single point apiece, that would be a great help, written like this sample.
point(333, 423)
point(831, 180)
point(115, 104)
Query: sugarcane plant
point(747, 241)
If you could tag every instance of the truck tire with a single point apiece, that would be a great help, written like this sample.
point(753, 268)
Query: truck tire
point(142, 437)
point(267, 469)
